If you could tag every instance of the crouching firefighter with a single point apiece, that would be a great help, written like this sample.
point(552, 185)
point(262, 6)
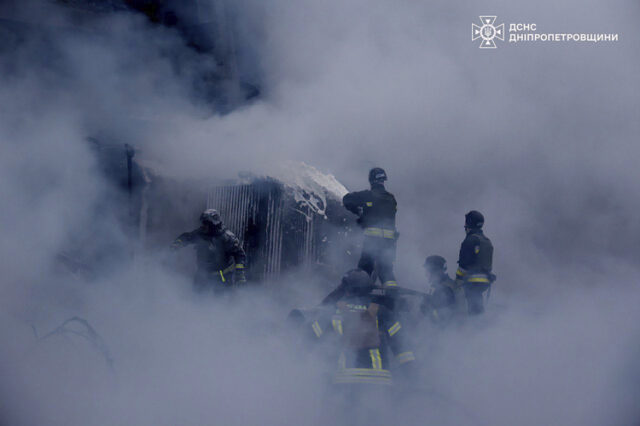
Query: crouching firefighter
point(376, 209)
point(219, 255)
point(475, 263)
point(366, 342)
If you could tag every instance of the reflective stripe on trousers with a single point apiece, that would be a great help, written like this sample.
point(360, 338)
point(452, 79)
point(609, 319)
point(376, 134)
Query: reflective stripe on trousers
point(228, 269)
point(362, 375)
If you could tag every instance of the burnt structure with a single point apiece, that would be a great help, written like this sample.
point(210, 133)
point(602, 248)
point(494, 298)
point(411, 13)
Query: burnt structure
point(285, 227)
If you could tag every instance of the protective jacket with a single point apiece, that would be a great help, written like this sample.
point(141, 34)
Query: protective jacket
point(475, 259)
point(368, 341)
point(440, 302)
point(218, 254)
point(376, 209)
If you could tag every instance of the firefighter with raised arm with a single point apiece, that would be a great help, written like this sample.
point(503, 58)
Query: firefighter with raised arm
point(220, 257)
point(475, 263)
point(376, 209)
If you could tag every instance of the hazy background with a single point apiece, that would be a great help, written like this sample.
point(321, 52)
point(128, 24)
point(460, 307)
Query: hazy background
point(540, 137)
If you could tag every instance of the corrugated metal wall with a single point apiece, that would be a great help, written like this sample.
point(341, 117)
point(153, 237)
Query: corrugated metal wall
point(283, 235)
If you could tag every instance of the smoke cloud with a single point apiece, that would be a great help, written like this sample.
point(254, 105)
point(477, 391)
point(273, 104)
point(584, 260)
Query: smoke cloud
point(539, 137)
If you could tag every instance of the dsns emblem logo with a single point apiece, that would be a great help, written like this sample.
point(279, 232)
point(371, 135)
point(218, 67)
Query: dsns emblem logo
point(487, 32)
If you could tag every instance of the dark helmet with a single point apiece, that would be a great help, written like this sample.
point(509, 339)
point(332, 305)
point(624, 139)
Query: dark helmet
point(377, 175)
point(211, 216)
point(436, 263)
point(357, 282)
point(474, 220)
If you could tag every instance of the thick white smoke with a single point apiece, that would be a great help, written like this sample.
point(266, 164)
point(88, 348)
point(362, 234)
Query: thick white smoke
point(540, 138)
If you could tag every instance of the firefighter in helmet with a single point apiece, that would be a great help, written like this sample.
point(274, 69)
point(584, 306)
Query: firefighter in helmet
point(367, 339)
point(475, 263)
point(440, 302)
point(376, 209)
point(220, 257)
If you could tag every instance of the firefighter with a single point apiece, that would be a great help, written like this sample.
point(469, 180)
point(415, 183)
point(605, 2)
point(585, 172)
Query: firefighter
point(376, 209)
point(475, 263)
point(220, 256)
point(367, 335)
point(440, 302)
